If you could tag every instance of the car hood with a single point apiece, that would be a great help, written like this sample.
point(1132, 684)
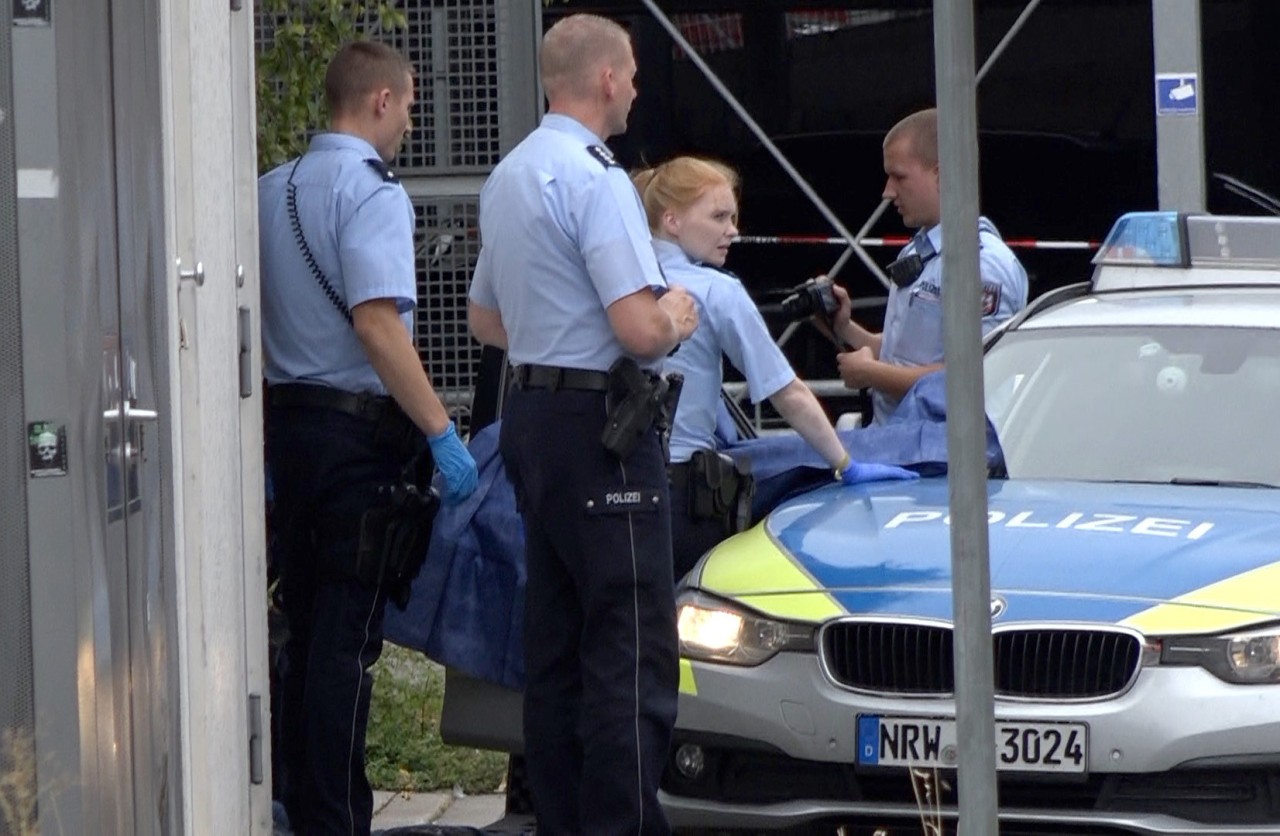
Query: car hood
point(1158, 558)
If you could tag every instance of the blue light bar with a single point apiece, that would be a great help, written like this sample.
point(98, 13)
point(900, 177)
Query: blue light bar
point(1145, 239)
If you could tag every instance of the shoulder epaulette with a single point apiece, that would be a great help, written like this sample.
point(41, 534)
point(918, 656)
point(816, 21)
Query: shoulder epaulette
point(603, 155)
point(384, 171)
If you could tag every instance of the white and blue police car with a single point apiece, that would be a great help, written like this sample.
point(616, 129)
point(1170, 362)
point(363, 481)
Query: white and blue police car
point(1135, 578)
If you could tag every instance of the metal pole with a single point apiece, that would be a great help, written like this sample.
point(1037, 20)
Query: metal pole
point(737, 108)
point(860, 249)
point(1008, 37)
point(953, 43)
point(1180, 175)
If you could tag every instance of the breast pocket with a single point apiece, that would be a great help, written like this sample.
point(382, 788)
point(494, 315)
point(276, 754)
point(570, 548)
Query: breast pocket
point(920, 342)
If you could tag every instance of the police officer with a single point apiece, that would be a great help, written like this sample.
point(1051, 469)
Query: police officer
point(692, 208)
point(911, 344)
point(565, 282)
point(348, 406)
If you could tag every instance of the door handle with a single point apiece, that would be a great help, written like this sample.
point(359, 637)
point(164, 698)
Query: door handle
point(130, 413)
point(133, 422)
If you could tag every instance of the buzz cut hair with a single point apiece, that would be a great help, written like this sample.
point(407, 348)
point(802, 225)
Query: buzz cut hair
point(360, 68)
point(574, 47)
point(921, 129)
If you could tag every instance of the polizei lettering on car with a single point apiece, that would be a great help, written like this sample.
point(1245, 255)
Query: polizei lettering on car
point(1074, 520)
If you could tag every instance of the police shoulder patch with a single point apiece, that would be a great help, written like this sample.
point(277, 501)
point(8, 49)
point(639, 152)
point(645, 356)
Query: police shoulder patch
point(603, 155)
point(990, 298)
point(384, 171)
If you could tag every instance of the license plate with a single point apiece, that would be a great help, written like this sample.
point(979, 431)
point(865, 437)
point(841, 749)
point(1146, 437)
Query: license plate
point(928, 741)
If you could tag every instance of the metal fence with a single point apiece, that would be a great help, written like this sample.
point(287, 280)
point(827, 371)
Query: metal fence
point(457, 121)
point(446, 256)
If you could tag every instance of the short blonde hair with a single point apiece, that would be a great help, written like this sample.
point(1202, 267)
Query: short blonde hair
point(360, 68)
point(574, 47)
point(678, 183)
point(921, 128)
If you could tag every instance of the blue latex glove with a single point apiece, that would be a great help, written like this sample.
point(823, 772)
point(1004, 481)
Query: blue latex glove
point(856, 472)
point(455, 464)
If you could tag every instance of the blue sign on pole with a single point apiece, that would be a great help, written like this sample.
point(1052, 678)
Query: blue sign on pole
point(1177, 93)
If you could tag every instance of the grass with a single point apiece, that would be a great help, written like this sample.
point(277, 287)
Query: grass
point(403, 747)
point(18, 794)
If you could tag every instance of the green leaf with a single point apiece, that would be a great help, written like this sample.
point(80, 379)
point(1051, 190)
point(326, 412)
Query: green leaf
point(291, 63)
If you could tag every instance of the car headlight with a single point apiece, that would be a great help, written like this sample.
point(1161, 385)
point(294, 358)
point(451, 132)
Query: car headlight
point(1249, 658)
point(713, 630)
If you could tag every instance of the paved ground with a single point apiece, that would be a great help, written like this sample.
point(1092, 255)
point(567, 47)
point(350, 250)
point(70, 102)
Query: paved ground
point(443, 814)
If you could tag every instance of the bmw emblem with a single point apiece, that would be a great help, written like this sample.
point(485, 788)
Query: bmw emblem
point(998, 606)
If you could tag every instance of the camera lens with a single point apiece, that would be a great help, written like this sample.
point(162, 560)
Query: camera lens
point(799, 304)
point(809, 298)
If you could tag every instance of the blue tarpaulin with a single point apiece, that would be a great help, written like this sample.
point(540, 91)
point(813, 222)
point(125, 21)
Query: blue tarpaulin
point(467, 606)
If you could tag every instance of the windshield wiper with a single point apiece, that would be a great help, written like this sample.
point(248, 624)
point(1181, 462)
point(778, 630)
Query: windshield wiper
point(1219, 483)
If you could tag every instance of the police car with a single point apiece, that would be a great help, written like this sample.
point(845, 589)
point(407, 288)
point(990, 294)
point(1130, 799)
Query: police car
point(1135, 578)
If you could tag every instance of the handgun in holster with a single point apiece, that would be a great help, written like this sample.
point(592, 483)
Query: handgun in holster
point(395, 533)
point(636, 401)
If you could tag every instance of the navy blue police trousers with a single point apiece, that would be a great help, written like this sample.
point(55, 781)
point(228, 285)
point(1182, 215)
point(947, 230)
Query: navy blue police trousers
point(601, 654)
point(326, 471)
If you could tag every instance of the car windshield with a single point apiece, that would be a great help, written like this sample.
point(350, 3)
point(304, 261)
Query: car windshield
point(1138, 403)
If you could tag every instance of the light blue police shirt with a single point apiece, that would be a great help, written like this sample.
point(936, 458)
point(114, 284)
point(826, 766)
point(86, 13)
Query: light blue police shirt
point(729, 325)
point(912, 333)
point(563, 236)
point(359, 228)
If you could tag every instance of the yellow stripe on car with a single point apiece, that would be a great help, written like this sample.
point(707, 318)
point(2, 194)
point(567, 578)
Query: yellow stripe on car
point(687, 683)
point(1238, 601)
point(751, 568)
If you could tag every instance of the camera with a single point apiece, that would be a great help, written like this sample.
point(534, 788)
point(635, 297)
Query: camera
point(814, 296)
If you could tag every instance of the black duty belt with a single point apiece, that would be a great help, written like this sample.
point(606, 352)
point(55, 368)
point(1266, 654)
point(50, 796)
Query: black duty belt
point(678, 473)
point(532, 376)
point(362, 405)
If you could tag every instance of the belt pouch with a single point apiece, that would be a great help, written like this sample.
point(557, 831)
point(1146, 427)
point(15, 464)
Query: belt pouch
point(712, 485)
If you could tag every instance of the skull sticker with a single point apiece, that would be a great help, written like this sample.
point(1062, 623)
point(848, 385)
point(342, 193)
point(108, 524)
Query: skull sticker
point(47, 449)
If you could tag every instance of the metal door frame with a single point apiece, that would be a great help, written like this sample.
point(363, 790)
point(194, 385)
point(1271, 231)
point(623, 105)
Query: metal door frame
point(17, 690)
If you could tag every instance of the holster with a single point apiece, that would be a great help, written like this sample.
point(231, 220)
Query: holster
point(395, 533)
point(636, 401)
point(718, 489)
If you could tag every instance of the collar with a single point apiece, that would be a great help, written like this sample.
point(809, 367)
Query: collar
point(670, 251)
point(935, 232)
point(343, 142)
point(568, 125)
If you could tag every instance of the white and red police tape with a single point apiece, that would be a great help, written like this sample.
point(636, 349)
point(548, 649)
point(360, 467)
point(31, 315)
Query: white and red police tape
point(902, 240)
